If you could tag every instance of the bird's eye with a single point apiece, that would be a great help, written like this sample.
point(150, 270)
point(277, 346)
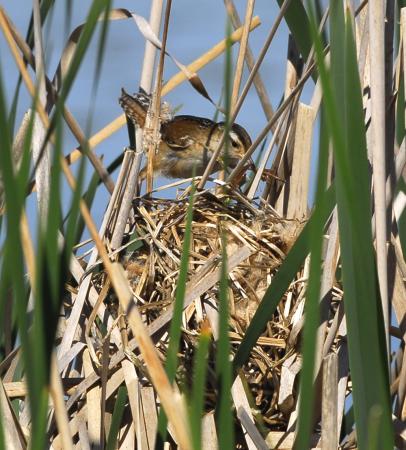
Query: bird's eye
point(234, 143)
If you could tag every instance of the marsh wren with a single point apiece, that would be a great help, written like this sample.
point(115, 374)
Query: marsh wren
point(187, 142)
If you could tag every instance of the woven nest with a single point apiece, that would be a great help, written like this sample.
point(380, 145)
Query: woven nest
point(257, 241)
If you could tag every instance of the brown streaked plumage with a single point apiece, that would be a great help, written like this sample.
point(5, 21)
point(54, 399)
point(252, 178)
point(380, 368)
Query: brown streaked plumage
point(187, 142)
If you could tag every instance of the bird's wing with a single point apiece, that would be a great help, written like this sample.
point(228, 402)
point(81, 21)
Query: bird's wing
point(180, 132)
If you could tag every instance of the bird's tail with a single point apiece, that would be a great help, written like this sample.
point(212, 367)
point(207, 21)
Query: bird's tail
point(135, 107)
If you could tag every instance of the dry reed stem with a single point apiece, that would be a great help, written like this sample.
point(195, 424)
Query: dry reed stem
point(378, 111)
point(330, 262)
point(76, 311)
point(255, 441)
point(265, 157)
point(282, 164)
point(209, 432)
point(150, 49)
point(242, 52)
point(133, 388)
point(93, 402)
point(155, 109)
point(258, 83)
point(240, 61)
point(41, 156)
point(239, 67)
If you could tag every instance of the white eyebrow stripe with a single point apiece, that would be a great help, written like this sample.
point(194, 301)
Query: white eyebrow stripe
point(234, 136)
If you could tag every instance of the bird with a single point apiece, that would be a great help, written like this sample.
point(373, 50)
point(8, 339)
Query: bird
point(187, 142)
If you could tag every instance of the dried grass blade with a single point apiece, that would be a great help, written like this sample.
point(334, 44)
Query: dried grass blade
point(329, 431)
point(146, 30)
point(93, 402)
point(134, 396)
point(255, 440)
point(148, 418)
point(265, 157)
point(61, 414)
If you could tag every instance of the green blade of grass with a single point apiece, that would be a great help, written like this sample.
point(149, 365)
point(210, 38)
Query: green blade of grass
point(367, 350)
point(99, 61)
point(74, 224)
point(45, 8)
point(196, 405)
point(175, 330)
point(176, 322)
point(116, 418)
point(400, 111)
point(298, 23)
point(225, 419)
point(282, 279)
point(14, 190)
